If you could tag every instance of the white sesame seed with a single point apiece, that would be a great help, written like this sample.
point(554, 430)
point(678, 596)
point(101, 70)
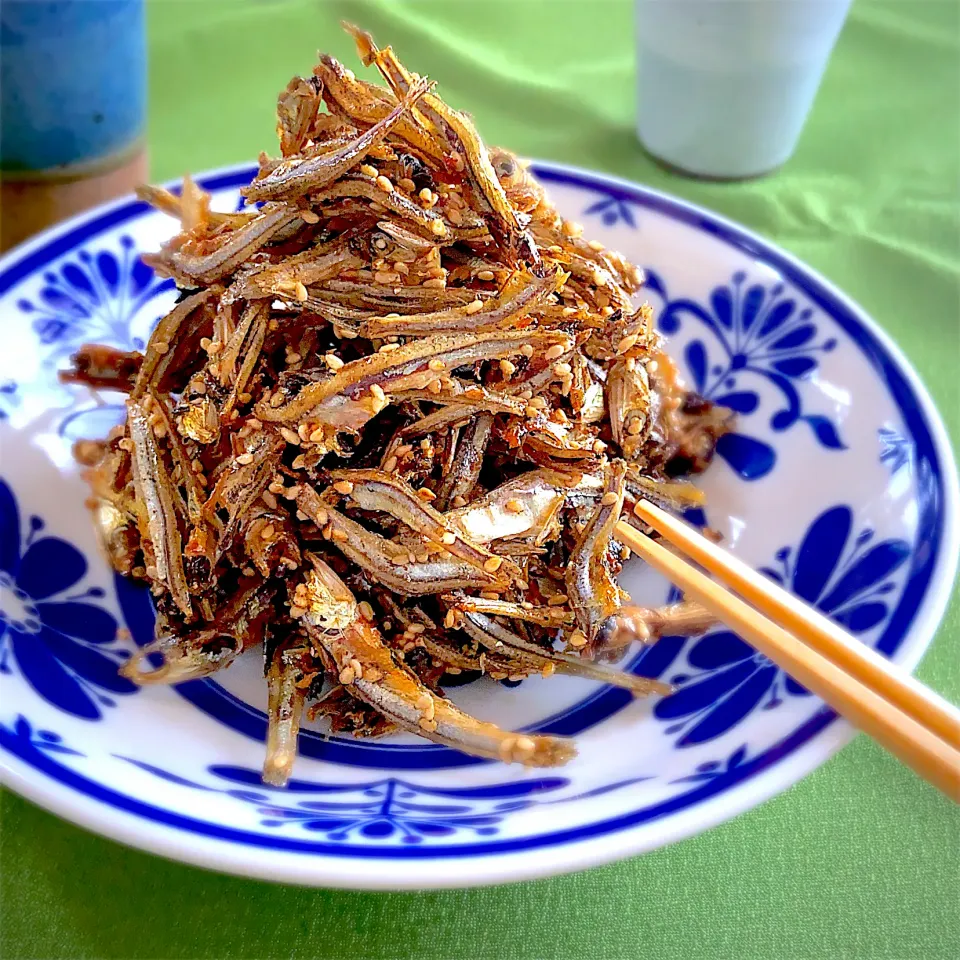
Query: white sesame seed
point(525, 746)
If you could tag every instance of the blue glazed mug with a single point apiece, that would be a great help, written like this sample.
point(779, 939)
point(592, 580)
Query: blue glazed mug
point(72, 107)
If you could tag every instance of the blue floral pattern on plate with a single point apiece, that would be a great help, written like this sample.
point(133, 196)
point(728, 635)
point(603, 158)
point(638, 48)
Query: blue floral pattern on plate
point(42, 740)
point(62, 643)
point(390, 809)
point(381, 810)
point(93, 297)
point(845, 577)
point(715, 769)
point(8, 398)
point(896, 451)
point(613, 211)
point(755, 332)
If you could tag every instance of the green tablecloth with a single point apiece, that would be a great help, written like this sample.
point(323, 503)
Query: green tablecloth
point(860, 859)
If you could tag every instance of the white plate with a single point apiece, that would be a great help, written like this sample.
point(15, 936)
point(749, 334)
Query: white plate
point(839, 481)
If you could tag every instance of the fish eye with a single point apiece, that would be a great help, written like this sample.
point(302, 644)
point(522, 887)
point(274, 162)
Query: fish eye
point(380, 244)
point(505, 167)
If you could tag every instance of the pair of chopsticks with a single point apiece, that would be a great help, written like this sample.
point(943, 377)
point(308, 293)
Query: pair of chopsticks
point(915, 724)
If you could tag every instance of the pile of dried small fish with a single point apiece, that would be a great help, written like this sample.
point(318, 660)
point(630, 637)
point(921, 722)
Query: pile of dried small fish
point(388, 428)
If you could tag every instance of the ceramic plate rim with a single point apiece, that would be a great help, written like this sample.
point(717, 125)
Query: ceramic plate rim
point(498, 867)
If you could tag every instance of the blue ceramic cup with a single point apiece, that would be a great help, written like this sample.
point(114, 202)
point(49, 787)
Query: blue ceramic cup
point(72, 85)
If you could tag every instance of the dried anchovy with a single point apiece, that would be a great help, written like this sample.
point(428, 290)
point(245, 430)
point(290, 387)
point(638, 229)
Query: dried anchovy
point(297, 176)
point(389, 427)
point(492, 315)
point(591, 586)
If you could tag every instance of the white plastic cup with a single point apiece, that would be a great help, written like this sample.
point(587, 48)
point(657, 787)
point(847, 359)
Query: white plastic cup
point(726, 85)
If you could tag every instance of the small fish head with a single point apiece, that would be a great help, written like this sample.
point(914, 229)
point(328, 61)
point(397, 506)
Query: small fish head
point(329, 603)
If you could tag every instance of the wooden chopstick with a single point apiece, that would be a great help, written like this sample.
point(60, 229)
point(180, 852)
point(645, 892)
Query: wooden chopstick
point(810, 625)
point(909, 738)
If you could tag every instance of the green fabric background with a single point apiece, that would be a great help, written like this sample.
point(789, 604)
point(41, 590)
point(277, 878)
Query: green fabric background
point(860, 859)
